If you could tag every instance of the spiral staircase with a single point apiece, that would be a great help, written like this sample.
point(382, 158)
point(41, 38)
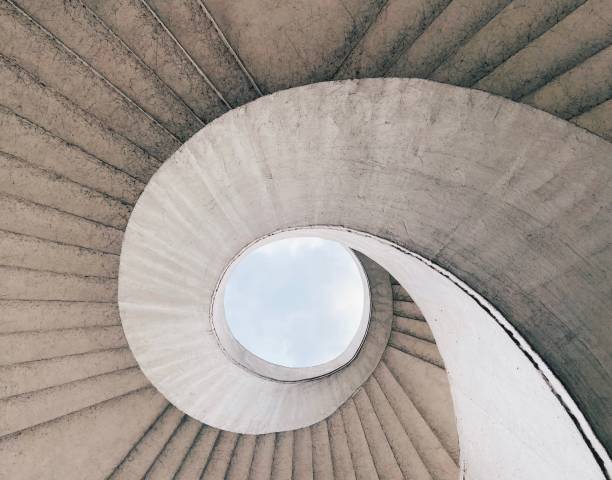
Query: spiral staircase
point(95, 95)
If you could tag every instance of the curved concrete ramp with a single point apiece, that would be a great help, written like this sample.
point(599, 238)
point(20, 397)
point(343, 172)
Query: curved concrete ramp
point(494, 192)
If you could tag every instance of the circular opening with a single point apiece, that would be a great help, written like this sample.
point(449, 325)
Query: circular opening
point(296, 302)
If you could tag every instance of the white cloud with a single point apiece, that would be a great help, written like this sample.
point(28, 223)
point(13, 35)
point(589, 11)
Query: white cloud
point(297, 301)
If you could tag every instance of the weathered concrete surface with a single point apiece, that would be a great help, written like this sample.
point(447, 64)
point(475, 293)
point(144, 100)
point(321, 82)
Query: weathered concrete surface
point(198, 455)
point(429, 159)
point(62, 449)
point(264, 397)
point(502, 391)
point(38, 52)
point(293, 43)
point(64, 116)
point(132, 75)
point(322, 466)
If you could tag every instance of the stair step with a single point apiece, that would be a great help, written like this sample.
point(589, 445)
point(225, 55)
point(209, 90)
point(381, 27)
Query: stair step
point(302, 455)
point(219, 460)
point(282, 466)
point(27, 316)
point(112, 427)
point(261, 467)
point(32, 346)
point(341, 455)
point(400, 293)
point(385, 462)
point(424, 439)
point(321, 452)
point(363, 463)
point(242, 457)
point(452, 27)
point(421, 349)
point(428, 389)
point(408, 459)
point(170, 459)
point(32, 376)
point(144, 453)
point(30, 409)
point(407, 309)
point(198, 455)
point(416, 328)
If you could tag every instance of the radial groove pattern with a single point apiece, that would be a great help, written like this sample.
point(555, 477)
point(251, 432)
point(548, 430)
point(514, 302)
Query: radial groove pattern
point(96, 95)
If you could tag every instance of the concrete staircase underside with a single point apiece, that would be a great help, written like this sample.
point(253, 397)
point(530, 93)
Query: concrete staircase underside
point(95, 95)
point(94, 415)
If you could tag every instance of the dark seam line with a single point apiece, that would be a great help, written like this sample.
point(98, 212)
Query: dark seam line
point(231, 456)
point(413, 335)
point(293, 455)
point(401, 315)
point(230, 48)
point(432, 431)
point(92, 69)
point(399, 55)
point(531, 359)
point(568, 69)
point(358, 42)
point(362, 430)
point(464, 41)
point(276, 435)
point(189, 450)
point(69, 146)
point(30, 362)
point(57, 242)
point(151, 426)
point(62, 274)
point(575, 117)
point(183, 50)
point(329, 443)
point(525, 45)
point(25, 200)
point(347, 442)
point(210, 454)
point(143, 65)
point(69, 105)
point(365, 391)
point(4, 266)
point(25, 300)
point(166, 443)
point(122, 345)
point(414, 355)
point(252, 456)
point(395, 414)
point(65, 329)
point(65, 384)
point(257, 443)
point(32, 427)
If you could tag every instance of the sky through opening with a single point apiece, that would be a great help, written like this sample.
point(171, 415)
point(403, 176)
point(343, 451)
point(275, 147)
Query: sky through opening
point(296, 302)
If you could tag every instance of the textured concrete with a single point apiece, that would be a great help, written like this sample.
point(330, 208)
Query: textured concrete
point(321, 452)
point(505, 380)
point(250, 395)
point(62, 449)
point(261, 466)
point(196, 459)
point(87, 139)
point(411, 139)
point(410, 462)
point(174, 445)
